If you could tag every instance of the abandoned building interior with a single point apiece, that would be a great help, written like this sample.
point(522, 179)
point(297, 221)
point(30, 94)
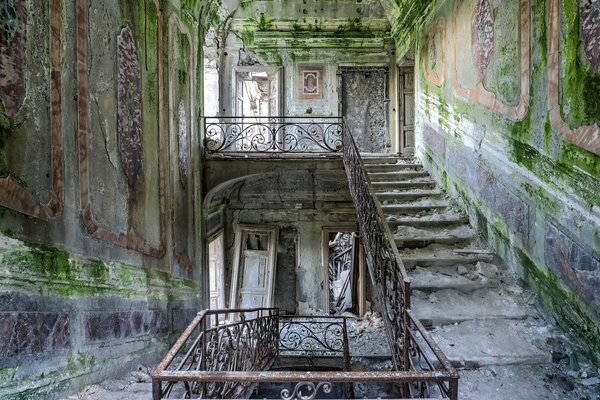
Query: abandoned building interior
point(300, 199)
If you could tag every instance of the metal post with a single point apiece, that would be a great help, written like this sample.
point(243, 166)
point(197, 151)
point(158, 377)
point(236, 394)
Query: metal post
point(156, 389)
point(406, 333)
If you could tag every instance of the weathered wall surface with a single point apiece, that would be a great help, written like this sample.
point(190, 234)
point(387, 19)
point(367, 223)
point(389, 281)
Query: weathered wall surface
point(325, 35)
point(508, 117)
point(98, 175)
point(301, 204)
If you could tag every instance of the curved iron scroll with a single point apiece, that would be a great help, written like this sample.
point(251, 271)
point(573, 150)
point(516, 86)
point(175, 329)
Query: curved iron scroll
point(315, 335)
point(272, 134)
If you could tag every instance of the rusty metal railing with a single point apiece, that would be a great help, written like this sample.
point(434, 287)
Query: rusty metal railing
point(412, 347)
point(272, 134)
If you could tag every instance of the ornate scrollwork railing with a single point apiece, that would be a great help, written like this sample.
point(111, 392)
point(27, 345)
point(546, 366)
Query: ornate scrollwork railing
point(318, 336)
point(247, 344)
point(272, 134)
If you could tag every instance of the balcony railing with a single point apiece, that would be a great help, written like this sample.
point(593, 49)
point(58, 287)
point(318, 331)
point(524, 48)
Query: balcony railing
point(272, 134)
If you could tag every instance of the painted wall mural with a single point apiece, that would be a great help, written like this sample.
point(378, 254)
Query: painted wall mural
point(583, 127)
point(483, 42)
point(13, 60)
point(590, 31)
point(183, 148)
point(15, 194)
point(433, 57)
point(129, 108)
point(128, 127)
point(482, 35)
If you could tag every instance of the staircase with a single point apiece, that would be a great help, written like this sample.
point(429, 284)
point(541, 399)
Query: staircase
point(477, 312)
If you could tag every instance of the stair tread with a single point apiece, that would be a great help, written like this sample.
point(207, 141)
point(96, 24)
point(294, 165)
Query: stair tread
point(449, 306)
point(443, 277)
point(476, 343)
point(463, 231)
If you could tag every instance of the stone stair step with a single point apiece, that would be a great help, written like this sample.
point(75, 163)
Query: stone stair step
point(501, 382)
point(408, 236)
point(441, 255)
point(370, 158)
point(400, 166)
point(396, 176)
point(425, 221)
point(475, 343)
point(403, 185)
point(409, 195)
point(450, 306)
point(426, 206)
point(436, 278)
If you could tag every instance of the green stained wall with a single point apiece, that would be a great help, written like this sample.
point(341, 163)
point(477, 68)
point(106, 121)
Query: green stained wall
point(92, 271)
point(539, 204)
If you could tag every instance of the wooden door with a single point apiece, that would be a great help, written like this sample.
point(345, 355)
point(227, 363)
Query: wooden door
point(254, 269)
point(406, 84)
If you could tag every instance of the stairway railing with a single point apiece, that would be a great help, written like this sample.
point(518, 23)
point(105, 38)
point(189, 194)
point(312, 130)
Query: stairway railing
point(227, 353)
point(412, 347)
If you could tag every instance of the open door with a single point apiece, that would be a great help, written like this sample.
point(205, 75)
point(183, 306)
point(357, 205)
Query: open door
point(216, 272)
point(253, 277)
point(407, 109)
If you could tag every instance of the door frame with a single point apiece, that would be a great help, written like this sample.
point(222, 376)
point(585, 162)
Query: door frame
point(361, 283)
point(269, 71)
point(400, 101)
point(210, 239)
point(272, 264)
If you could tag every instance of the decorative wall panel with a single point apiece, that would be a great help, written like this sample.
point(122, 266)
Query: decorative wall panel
point(131, 125)
point(14, 43)
point(433, 57)
point(181, 125)
point(586, 136)
point(483, 42)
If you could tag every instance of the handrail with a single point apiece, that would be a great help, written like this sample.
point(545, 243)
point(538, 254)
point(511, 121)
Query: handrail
point(276, 134)
point(383, 259)
point(405, 331)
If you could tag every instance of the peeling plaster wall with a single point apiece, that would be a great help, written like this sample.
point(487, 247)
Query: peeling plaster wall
point(506, 120)
point(98, 183)
point(322, 34)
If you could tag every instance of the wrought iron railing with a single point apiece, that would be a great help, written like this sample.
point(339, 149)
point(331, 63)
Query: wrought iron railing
point(218, 359)
point(314, 337)
point(412, 347)
point(272, 134)
point(210, 344)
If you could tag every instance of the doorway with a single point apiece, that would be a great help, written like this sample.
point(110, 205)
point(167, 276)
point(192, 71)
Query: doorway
point(406, 100)
point(343, 258)
point(364, 102)
point(216, 272)
point(258, 92)
point(253, 277)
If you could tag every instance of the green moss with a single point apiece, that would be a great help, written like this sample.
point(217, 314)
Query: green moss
point(541, 198)
point(547, 134)
point(585, 160)
point(99, 270)
point(262, 23)
point(52, 263)
point(566, 307)
point(580, 86)
point(352, 25)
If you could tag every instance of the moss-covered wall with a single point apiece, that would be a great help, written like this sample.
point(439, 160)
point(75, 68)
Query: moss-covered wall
point(511, 128)
point(99, 187)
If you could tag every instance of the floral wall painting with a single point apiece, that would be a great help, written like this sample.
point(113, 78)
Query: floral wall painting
point(310, 82)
